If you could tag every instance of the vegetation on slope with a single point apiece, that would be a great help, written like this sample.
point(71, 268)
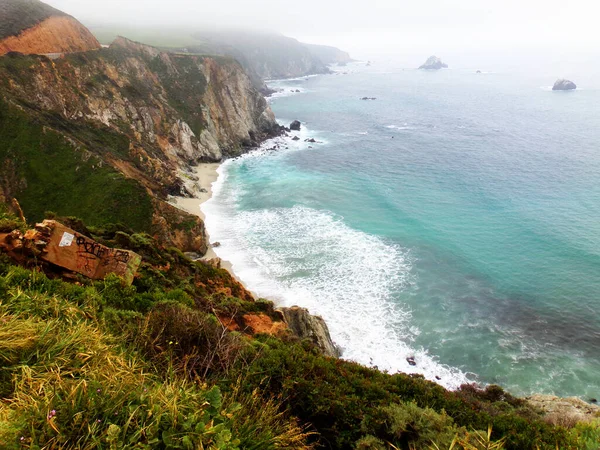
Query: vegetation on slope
point(102, 365)
point(19, 15)
point(47, 172)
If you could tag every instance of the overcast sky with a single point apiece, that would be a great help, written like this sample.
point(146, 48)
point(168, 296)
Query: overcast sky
point(368, 25)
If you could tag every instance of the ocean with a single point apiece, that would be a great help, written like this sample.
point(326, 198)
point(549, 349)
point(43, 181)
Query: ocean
point(454, 219)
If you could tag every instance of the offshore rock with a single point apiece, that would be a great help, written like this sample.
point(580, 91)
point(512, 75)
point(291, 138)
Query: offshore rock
point(564, 85)
point(434, 63)
point(295, 125)
point(306, 326)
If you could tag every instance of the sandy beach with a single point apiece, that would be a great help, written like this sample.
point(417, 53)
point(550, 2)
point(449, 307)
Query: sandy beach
point(207, 175)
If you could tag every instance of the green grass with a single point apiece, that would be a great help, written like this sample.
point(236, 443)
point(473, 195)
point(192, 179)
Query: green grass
point(67, 382)
point(50, 173)
point(106, 365)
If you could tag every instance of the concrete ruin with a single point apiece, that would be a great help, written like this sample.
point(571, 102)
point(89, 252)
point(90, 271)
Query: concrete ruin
point(54, 243)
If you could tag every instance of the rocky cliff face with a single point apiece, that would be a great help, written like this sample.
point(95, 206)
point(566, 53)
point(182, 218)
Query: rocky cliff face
point(32, 27)
point(174, 110)
point(306, 326)
point(148, 115)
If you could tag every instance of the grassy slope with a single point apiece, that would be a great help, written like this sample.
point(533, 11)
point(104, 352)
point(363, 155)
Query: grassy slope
point(116, 366)
point(19, 15)
point(65, 179)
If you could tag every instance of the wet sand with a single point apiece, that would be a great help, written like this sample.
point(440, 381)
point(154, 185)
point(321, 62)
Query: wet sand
point(207, 174)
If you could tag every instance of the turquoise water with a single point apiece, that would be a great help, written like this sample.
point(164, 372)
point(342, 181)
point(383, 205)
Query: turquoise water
point(455, 219)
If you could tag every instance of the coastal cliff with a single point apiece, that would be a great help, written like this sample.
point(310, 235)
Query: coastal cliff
point(32, 27)
point(184, 356)
point(131, 114)
point(263, 55)
point(328, 54)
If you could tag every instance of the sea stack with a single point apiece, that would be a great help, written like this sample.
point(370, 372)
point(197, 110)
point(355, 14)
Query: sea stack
point(564, 85)
point(434, 63)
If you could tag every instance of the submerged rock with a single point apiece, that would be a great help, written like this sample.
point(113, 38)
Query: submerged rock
point(411, 361)
point(564, 85)
point(295, 138)
point(306, 326)
point(434, 63)
point(295, 125)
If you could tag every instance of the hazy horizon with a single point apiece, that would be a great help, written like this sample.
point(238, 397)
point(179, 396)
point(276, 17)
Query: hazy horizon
point(466, 33)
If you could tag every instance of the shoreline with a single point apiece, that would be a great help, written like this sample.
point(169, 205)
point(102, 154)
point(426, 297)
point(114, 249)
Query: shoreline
point(207, 175)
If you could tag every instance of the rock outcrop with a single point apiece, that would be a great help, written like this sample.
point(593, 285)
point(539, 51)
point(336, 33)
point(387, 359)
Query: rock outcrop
point(564, 411)
point(564, 85)
point(306, 326)
point(434, 63)
point(32, 27)
point(295, 125)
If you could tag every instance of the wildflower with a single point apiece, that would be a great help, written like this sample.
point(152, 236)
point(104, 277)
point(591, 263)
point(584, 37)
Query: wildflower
point(51, 414)
point(98, 390)
point(22, 438)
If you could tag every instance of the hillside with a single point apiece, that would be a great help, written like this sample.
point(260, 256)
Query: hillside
point(32, 27)
point(174, 362)
point(19, 15)
point(328, 54)
point(263, 55)
point(271, 56)
point(180, 355)
point(125, 125)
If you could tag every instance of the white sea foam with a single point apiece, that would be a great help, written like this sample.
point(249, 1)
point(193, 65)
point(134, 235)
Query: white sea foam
point(400, 127)
point(311, 258)
point(279, 80)
point(285, 92)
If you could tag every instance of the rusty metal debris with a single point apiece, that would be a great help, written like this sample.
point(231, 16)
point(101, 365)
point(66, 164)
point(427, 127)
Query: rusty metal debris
point(54, 243)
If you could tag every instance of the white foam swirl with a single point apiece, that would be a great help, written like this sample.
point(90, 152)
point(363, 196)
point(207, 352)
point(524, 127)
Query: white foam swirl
point(311, 258)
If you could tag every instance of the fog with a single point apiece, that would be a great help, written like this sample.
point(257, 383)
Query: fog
point(367, 29)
